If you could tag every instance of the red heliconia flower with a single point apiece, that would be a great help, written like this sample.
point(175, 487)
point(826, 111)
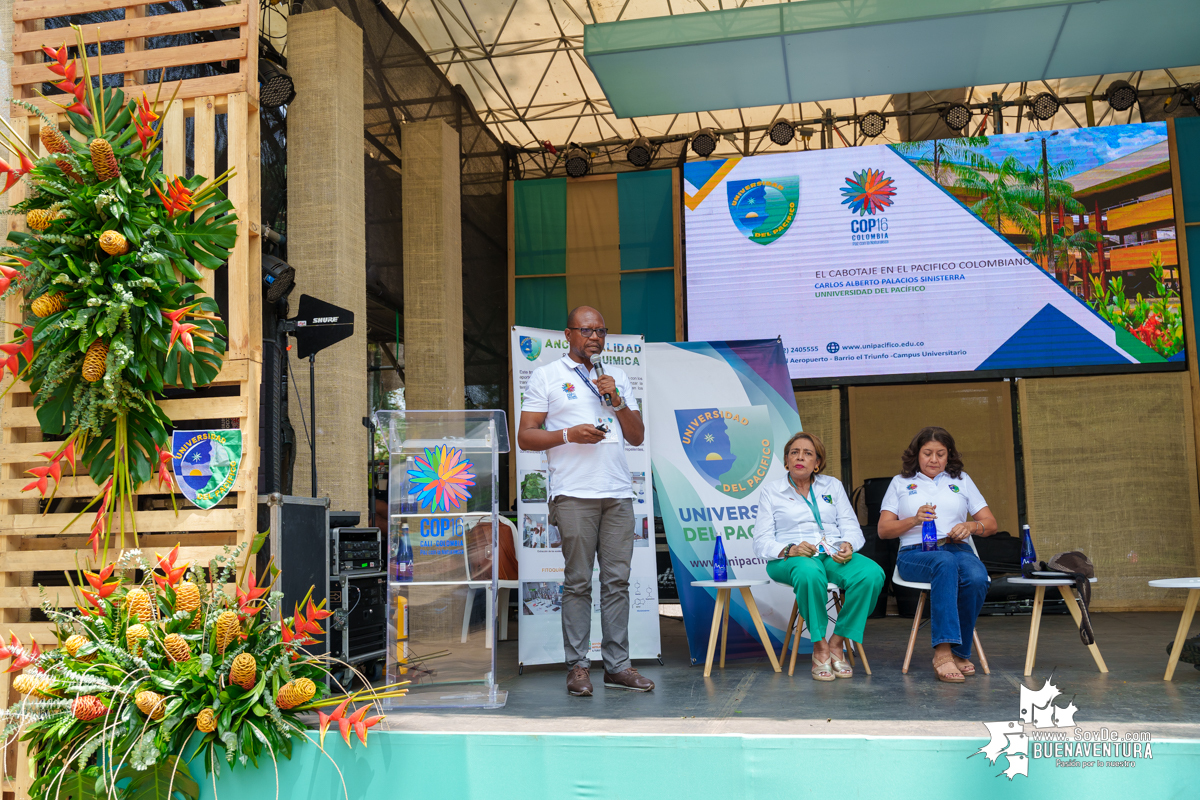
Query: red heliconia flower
point(98, 524)
point(179, 200)
point(7, 276)
point(14, 175)
point(21, 657)
point(164, 469)
point(338, 716)
point(316, 614)
point(354, 720)
point(143, 122)
point(250, 597)
point(172, 574)
point(76, 88)
point(43, 481)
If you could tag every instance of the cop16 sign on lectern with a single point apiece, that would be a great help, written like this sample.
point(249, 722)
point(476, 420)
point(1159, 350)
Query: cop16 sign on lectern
point(443, 523)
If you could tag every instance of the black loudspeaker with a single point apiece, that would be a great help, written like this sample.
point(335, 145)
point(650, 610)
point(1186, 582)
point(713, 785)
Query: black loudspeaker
point(299, 542)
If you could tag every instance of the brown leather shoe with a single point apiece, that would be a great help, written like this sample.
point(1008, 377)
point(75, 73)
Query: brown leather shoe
point(578, 682)
point(628, 679)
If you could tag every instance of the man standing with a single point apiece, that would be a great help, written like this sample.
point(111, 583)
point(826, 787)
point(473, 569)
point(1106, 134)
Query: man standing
point(580, 418)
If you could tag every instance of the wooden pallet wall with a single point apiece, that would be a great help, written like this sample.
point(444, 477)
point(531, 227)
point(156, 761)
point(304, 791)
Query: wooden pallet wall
point(31, 541)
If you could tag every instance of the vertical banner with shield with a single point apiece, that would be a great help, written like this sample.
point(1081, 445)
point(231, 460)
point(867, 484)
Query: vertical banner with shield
point(719, 415)
point(539, 549)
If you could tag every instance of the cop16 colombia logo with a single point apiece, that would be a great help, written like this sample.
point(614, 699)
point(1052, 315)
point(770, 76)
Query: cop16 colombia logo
point(868, 193)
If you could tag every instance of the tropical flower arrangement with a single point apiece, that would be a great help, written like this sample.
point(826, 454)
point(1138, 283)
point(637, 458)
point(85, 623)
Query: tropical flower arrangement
point(109, 270)
point(148, 675)
point(1157, 323)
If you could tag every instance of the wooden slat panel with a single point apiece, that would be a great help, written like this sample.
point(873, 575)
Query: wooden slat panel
point(191, 408)
point(189, 519)
point(205, 162)
point(218, 85)
point(239, 193)
point(29, 560)
point(30, 597)
point(84, 486)
point(203, 53)
point(161, 25)
point(234, 370)
point(174, 141)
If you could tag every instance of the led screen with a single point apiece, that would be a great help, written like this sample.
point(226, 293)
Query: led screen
point(932, 257)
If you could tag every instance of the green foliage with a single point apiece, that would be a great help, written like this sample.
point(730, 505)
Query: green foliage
point(533, 487)
point(1157, 323)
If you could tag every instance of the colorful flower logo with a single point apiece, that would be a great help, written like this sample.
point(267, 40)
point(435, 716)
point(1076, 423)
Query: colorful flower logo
point(954, 488)
point(868, 192)
point(568, 387)
point(911, 486)
point(441, 478)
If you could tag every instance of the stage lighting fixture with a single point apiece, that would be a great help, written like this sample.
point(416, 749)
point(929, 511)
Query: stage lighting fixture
point(1121, 95)
point(956, 116)
point(578, 162)
point(275, 87)
point(278, 277)
point(638, 152)
point(1045, 106)
point(872, 124)
point(782, 131)
point(704, 142)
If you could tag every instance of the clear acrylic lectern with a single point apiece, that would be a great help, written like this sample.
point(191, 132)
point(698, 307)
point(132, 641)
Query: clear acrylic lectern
point(442, 533)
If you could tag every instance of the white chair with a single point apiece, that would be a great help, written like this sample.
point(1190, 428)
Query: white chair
point(796, 623)
point(925, 588)
point(502, 593)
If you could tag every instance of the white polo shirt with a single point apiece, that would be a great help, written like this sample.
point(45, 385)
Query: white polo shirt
point(581, 470)
point(785, 518)
point(955, 498)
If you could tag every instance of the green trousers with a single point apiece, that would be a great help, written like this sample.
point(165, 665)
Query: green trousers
point(860, 579)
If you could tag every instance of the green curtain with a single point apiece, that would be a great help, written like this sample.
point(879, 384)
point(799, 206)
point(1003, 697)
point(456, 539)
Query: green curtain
point(647, 236)
point(648, 305)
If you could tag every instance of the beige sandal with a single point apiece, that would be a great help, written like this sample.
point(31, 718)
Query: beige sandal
point(841, 667)
point(821, 670)
point(964, 666)
point(950, 675)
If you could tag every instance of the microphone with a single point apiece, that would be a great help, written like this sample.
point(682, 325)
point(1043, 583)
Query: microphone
point(596, 362)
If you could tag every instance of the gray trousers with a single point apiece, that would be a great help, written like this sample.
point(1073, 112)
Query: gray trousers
point(592, 528)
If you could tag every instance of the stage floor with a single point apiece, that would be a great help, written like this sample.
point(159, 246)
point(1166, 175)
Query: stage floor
point(747, 697)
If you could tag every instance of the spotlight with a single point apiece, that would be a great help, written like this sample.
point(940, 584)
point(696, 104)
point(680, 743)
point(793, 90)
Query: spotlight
point(704, 142)
point(782, 131)
point(638, 152)
point(871, 124)
point(275, 86)
point(956, 116)
point(578, 162)
point(1045, 106)
point(278, 277)
point(1121, 95)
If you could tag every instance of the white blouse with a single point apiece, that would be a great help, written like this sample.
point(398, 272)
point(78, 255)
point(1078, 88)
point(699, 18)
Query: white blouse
point(955, 498)
point(784, 517)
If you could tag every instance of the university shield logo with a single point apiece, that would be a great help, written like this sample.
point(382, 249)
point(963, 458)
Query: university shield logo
point(206, 464)
point(730, 446)
point(764, 208)
point(531, 347)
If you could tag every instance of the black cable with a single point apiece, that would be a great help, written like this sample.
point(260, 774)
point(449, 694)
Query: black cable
point(300, 406)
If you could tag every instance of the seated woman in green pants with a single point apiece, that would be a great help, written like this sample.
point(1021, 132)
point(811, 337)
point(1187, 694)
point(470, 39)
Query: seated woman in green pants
point(807, 531)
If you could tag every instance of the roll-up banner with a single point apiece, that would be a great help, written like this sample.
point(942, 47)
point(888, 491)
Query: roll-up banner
point(539, 551)
point(718, 415)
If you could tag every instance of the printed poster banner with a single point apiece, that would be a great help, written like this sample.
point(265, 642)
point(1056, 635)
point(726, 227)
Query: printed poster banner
point(206, 464)
point(539, 557)
point(718, 415)
point(931, 257)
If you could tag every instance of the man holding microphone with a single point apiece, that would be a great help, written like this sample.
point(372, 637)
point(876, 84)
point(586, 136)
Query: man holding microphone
point(579, 413)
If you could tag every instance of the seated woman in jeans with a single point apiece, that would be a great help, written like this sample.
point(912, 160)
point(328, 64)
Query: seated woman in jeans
point(807, 532)
point(932, 485)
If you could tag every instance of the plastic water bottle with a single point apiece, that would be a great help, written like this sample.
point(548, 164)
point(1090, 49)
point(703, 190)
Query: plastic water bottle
point(404, 556)
point(1028, 554)
point(929, 535)
point(720, 563)
point(407, 506)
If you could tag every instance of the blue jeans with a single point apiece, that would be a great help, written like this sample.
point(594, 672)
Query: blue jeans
point(959, 584)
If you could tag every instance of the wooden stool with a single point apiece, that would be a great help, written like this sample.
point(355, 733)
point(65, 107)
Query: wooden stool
point(1066, 588)
point(1185, 622)
point(720, 622)
point(796, 623)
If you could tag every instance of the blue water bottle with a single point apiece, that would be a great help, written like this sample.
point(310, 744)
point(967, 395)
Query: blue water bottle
point(1028, 554)
point(720, 563)
point(929, 535)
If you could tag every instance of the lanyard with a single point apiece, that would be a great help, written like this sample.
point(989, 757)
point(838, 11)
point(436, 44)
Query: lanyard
point(588, 382)
point(812, 504)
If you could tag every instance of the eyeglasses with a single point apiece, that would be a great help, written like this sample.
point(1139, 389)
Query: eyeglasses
point(587, 332)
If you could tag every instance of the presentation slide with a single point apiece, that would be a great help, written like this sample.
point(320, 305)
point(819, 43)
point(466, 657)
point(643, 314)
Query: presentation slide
point(934, 257)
